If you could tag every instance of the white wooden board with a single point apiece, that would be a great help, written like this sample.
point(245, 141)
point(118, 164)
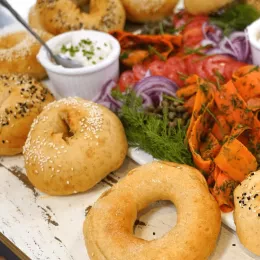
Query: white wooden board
point(45, 227)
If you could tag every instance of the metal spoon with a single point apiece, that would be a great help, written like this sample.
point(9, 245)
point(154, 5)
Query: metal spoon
point(59, 60)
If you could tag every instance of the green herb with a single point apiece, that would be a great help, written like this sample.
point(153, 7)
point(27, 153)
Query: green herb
point(152, 50)
point(197, 51)
point(161, 28)
point(87, 41)
point(174, 99)
point(236, 17)
point(255, 68)
point(63, 49)
point(124, 55)
point(220, 77)
point(150, 133)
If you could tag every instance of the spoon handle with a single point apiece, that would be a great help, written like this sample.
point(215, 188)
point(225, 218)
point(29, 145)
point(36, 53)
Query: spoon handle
point(22, 21)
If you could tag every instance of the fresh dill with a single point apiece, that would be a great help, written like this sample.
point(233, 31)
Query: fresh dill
point(150, 133)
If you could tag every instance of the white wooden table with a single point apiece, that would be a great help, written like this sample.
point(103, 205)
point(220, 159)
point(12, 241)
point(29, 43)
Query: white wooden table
point(25, 212)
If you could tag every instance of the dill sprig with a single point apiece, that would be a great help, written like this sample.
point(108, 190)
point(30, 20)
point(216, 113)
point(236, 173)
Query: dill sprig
point(150, 133)
point(236, 17)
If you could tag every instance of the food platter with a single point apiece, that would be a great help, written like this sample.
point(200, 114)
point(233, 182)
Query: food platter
point(51, 227)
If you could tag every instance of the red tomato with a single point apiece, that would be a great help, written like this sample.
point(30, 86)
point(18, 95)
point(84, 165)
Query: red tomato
point(174, 67)
point(181, 18)
point(127, 79)
point(157, 68)
point(139, 71)
point(193, 36)
point(195, 65)
point(216, 63)
point(231, 67)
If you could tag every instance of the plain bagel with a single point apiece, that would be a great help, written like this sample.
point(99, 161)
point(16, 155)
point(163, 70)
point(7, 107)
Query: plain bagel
point(204, 7)
point(21, 100)
point(148, 10)
point(247, 212)
point(61, 16)
point(108, 228)
point(72, 145)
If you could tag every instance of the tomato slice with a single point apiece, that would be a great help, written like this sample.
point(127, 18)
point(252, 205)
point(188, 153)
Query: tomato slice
point(181, 18)
point(231, 67)
point(193, 36)
point(157, 68)
point(139, 71)
point(216, 64)
point(126, 80)
point(174, 68)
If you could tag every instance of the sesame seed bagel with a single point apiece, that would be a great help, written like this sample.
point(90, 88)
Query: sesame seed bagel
point(108, 228)
point(21, 100)
point(18, 52)
point(148, 10)
point(72, 145)
point(247, 212)
point(59, 16)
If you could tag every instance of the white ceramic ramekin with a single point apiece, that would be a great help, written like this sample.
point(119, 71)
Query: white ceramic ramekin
point(84, 82)
point(253, 32)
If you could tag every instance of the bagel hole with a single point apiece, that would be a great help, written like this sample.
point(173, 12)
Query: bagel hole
point(156, 220)
point(63, 127)
point(68, 133)
point(83, 5)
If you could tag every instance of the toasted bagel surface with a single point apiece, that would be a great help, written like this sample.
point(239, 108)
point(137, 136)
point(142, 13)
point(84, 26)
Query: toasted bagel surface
point(108, 228)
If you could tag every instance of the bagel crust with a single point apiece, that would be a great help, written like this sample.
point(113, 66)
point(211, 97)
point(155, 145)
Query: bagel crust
point(21, 100)
point(108, 228)
point(196, 7)
point(247, 212)
point(72, 145)
point(18, 52)
point(59, 16)
point(148, 10)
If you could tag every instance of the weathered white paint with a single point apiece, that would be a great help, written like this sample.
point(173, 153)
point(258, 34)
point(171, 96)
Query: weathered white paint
point(45, 227)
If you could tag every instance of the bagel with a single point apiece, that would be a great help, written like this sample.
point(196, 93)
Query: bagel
point(21, 99)
point(18, 52)
point(34, 17)
point(196, 7)
point(247, 212)
point(60, 16)
point(108, 228)
point(142, 11)
point(72, 145)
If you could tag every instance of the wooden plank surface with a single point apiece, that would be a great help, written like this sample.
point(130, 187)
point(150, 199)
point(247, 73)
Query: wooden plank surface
point(45, 227)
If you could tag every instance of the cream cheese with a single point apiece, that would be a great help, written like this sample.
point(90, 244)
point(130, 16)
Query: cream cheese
point(86, 51)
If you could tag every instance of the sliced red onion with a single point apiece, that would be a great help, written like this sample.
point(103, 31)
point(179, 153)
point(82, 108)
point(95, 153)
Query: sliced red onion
point(236, 45)
point(105, 98)
point(212, 33)
point(155, 82)
point(152, 88)
point(105, 91)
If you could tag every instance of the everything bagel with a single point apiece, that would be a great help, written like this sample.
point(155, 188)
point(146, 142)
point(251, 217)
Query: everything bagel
point(72, 145)
point(60, 16)
point(21, 100)
point(108, 228)
point(18, 52)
